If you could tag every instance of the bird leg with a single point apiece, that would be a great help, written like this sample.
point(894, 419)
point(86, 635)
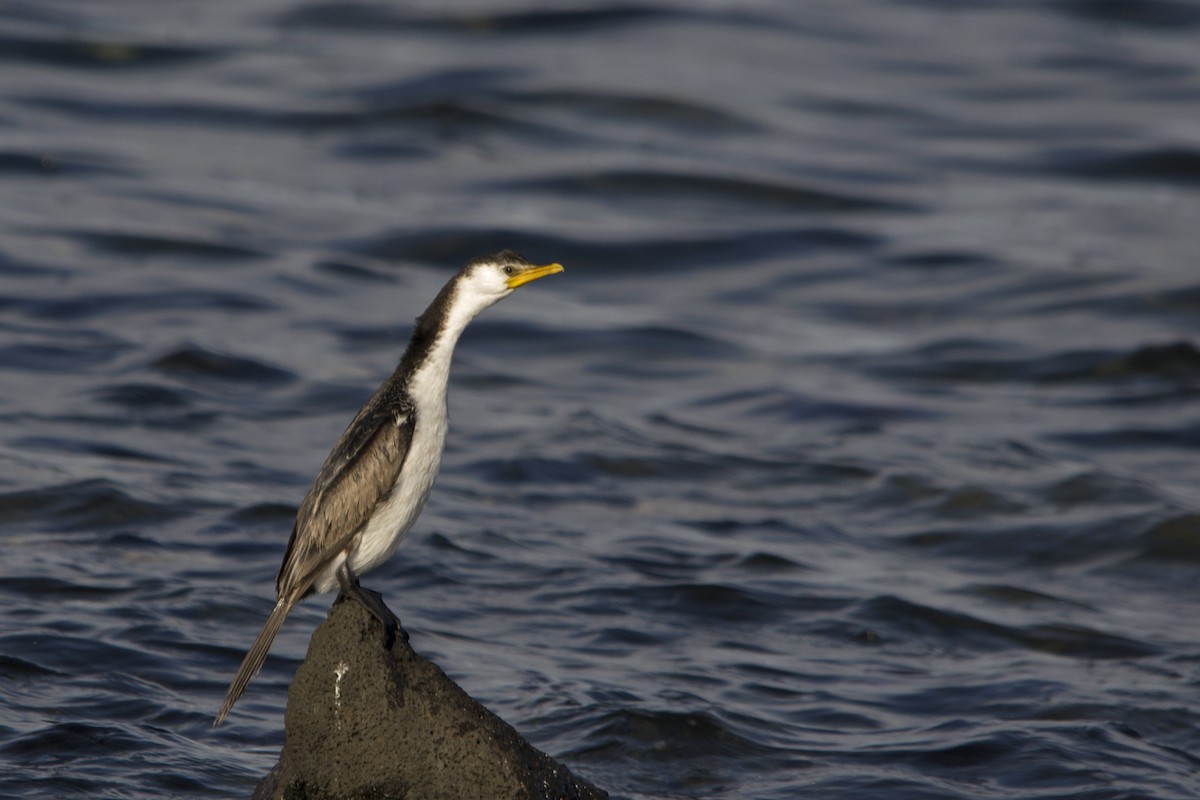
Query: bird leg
point(372, 601)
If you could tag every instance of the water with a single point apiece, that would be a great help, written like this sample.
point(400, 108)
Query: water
point(854, 455)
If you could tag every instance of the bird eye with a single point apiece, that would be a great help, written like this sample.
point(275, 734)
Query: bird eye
point(508, 270)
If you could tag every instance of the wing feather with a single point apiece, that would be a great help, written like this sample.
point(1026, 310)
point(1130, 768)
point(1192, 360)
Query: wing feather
point(358, 475)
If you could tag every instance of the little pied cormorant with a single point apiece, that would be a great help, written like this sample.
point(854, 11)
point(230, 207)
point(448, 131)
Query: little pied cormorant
point(376, 480)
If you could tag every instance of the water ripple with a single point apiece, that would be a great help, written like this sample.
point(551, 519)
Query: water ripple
point(903, 619)
point(111, 54)
point(630, 256)
point(80, 506)
point(1169, 14)
point(199, 364)
point(363, 16)
point(1169, 165)
point(657, 187)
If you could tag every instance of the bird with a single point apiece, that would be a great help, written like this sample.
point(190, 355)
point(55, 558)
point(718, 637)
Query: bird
point(376, 480)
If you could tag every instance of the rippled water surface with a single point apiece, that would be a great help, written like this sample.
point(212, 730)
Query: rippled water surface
point(854, 455)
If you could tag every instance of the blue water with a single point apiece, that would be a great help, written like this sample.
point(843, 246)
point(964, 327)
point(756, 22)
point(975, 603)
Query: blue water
point(854, 455)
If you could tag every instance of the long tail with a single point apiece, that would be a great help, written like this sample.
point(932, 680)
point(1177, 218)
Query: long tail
point(254, 659)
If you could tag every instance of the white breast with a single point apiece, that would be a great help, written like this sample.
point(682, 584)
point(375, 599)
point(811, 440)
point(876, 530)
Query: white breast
point(395, 516)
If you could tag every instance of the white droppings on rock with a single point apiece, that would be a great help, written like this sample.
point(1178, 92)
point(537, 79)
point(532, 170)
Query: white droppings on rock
point(339, 672)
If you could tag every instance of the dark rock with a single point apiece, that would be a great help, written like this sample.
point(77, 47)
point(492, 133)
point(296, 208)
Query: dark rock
point(369, 719)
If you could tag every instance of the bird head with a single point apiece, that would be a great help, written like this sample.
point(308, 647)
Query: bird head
point(488, 279)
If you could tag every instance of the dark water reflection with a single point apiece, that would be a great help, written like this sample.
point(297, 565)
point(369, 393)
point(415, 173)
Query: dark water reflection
point(854, 455)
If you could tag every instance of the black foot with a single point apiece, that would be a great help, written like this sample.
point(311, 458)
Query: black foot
point(372, 601)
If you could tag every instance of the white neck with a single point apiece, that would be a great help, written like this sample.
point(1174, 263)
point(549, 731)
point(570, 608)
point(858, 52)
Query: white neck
point(428, 384)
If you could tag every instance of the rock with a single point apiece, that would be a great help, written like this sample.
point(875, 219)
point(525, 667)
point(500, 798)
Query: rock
point(371, 719)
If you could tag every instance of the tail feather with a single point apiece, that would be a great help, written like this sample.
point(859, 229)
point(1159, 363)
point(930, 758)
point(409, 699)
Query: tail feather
point(254, 659)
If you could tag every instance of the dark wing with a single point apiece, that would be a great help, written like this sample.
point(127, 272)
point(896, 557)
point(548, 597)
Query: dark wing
point(357, 475)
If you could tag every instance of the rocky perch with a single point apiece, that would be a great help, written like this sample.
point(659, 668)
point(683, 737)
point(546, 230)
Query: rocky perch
point(369, 719)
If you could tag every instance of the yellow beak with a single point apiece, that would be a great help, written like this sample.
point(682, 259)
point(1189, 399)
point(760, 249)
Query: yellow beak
point(532, 274)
